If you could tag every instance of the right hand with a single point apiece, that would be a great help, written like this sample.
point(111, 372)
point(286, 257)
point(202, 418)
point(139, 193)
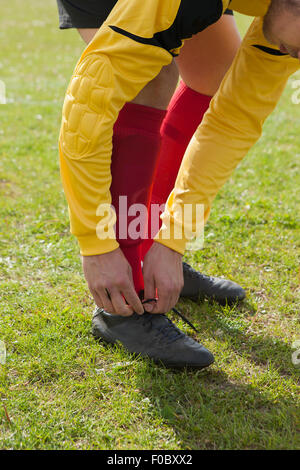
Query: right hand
point(109, 278)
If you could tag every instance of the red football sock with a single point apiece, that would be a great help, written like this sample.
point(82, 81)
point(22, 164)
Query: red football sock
point(136, 144)
point(185, 113)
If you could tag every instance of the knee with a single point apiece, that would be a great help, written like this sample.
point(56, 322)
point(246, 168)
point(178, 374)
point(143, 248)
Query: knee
point(87, 34)
point(205, 59)
point(159, 91)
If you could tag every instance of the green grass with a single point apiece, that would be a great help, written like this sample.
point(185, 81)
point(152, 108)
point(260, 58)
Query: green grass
point(59, 388)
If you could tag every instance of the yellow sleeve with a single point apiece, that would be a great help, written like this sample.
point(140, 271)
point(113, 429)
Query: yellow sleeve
point(126, 53)
point(247, 95)
point(250, 7)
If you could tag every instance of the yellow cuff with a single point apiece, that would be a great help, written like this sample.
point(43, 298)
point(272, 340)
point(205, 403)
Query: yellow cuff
point(91, 245)
point(166, 237)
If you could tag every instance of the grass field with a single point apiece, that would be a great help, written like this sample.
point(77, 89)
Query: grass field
point(59, 388)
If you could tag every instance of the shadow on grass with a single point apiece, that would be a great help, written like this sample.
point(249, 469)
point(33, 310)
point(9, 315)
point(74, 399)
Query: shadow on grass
point(262, 350)
point(208, 411)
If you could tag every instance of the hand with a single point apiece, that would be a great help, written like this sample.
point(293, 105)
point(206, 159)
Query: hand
point(162, 270)
point(109, 278)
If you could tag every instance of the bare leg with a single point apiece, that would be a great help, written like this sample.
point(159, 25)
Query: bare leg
point(206, 57)
point(156, 93)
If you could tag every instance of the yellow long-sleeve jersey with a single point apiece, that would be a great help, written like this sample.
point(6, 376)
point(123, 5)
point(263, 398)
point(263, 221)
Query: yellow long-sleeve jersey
point(129, 50)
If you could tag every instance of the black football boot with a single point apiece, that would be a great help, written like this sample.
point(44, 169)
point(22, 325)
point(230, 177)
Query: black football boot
point(153, 336)
point(198, 286)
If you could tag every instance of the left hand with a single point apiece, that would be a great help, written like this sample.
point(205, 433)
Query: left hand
point(162, 271)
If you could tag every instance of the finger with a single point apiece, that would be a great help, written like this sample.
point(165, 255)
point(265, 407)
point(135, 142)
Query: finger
point(102, 301)
point(167, 298)
point(119, 304)
point(149, 293)
point(106, 301)
point(98, 298)
point(131, 296)
point(133, 299)
point(162, 303)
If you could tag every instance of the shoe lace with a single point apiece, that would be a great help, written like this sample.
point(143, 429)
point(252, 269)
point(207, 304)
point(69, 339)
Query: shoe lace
point(180, 314)
point(169, 330)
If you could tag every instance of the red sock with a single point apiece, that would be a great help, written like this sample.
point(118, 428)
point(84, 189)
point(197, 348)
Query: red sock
point(185, 113)
point(136, 144)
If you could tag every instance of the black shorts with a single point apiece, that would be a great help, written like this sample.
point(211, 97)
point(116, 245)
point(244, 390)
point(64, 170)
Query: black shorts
point(87, 13)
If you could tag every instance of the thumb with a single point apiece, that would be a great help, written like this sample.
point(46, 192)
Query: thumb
point(149, 293)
